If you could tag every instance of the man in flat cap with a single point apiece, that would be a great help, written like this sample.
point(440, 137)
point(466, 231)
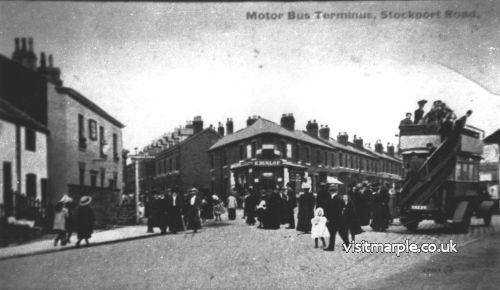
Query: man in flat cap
point(419, 113)
point(406, 121)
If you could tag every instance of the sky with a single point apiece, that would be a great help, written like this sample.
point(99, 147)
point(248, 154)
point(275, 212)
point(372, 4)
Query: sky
point(154, 66)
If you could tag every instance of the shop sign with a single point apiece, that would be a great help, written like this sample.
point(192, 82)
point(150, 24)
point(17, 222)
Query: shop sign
point(267, 163)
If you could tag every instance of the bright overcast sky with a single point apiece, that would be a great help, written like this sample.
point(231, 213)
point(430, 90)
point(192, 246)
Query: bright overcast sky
point(155, 65)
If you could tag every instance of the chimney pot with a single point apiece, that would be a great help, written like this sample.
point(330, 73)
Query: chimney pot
point(23, 44)
point(16, 42)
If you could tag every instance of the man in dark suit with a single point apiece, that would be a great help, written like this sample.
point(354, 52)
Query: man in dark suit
point(335, 220)
point(419, 113)
point(291, 204)
point(406, 121)
point(460, 123)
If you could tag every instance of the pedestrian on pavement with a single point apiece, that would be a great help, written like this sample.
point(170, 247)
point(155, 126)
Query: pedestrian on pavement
point(381, 213)
point(250, 203)
point(174, 212)
point(70, 221)
point(261, 211)
point(59, 226)
point(335, 220)
point(306, 209)
point(85, 220)
point(193, 214)
point(274, 211)
point(323, 195)
point(283, 205)
point(232, 203)
point(218, 207)
point(291, 204)
point(350, 216)
point(158, 212)
point(319, 229)
point(207, 208)
point(364, 212)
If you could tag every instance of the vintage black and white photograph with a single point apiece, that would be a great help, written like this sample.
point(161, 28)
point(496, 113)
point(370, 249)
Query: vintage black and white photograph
point(249, 145)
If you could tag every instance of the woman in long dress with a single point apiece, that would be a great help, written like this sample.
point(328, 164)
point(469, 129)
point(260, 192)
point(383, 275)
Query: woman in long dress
point(306, 211)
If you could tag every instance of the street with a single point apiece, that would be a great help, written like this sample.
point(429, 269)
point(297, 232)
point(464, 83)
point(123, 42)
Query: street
point(231, 255)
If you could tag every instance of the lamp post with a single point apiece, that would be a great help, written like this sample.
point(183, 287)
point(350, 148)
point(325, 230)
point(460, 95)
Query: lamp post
point(136, 158)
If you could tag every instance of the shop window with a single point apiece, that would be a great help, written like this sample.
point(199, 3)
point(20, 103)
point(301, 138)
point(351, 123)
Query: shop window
point(30, 139)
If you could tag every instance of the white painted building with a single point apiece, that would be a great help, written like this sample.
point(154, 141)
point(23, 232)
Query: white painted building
point(23, 154)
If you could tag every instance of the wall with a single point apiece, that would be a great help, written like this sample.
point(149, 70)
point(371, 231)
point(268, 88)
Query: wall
point(34, 162)
point(64, 167)
point(7, 152)
point(195, 161)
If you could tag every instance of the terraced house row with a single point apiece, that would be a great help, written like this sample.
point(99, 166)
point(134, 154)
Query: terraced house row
point(261, 156)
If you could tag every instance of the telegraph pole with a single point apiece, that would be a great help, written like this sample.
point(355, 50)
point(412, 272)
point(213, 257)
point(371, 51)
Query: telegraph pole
point(136, 158)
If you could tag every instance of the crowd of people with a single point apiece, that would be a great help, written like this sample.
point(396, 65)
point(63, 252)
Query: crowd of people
point(324, 214)
point(440, 117)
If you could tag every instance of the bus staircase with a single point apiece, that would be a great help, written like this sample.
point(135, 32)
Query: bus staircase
point(431, 175)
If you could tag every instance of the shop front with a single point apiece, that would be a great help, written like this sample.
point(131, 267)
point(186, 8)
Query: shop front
point(267, 174)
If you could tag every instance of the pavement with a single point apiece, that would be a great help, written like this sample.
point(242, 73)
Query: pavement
point(121, 234)
point(232, 255)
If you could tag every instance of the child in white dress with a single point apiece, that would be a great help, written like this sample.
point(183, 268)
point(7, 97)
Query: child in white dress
point(319, 229)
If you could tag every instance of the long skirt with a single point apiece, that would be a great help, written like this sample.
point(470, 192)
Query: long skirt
point(231, 213)
point(194, 222)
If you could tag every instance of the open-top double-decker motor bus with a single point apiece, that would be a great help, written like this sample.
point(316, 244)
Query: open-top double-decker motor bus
point(446, 187)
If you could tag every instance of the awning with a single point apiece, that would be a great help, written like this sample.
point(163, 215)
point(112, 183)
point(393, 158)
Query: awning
point(333, 180)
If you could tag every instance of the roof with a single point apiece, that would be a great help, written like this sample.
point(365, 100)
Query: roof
point(386, 156)
point(348, 147)
point(493, 138)
point(262, 126)
point(89, 104)
point(187, 140)
point(13, 114)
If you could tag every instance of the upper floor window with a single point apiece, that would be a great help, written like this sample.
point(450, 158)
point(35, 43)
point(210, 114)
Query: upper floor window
point(82, 142)
point(177, 162)
point(325, 159)
point(283, 149)
point(224, 157)
point(318, 157)
point(30, 139)
point(212, 160)
point(289, 151)
point(341, 160)
point(332, 159)
point(308, 155)
point(115, 147)
point(242, 152)
point(254, 149)
point(92, 130)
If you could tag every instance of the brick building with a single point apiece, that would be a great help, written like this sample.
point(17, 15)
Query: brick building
point(265, 155)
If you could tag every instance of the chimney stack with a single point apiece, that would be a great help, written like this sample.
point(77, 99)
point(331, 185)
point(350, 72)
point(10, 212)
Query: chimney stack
point(342, 138)
point(312, 128)
point(23, 44)
point(288, 121)
point(197, 124)
point(379, 148)
point(51, 73)
point(30, 44)
point(220, 129)
point(229, 126)
point(358, 142)
point(252, 120)
point(324, 132)
point(390, 149)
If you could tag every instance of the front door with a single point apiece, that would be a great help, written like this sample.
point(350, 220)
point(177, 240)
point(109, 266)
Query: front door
point(7, 185)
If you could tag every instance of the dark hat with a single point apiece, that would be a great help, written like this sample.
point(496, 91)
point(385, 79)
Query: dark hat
point(421, 102)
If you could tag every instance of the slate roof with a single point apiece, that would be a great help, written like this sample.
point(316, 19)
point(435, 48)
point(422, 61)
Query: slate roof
point(89, 104)
point(348, 147)
point(13, 114)
point(262, 126)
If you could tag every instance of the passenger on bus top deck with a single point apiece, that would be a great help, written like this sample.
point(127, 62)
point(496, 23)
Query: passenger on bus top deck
point(406, 121)
point(419, 113)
